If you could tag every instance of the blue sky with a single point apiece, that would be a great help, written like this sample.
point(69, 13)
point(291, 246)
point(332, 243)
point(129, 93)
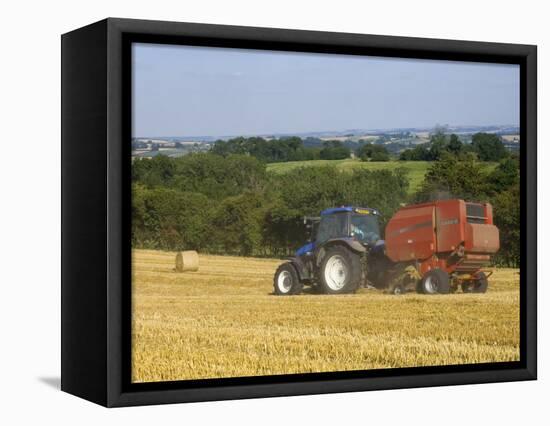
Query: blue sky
point(204, 91)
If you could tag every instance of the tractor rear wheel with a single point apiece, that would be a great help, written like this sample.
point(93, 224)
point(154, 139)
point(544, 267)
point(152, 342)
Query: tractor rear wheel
point(286, 281)
point(340, 271)
point(477, 285)
point(435, 281)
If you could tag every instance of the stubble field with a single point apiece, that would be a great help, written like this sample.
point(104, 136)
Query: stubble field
point(223, 321)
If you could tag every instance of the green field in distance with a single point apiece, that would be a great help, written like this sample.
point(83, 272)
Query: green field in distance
point(416, 169)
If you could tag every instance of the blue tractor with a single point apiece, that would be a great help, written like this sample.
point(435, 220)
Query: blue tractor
point(334, 261)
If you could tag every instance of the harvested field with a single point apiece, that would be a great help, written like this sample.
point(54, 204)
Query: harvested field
point(223, 321)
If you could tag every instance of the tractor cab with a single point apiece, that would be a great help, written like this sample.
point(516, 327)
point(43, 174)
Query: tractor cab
point(358, 223)
point(348, 223)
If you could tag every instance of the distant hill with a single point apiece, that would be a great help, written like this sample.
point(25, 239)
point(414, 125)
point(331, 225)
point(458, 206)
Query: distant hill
point(394, 140)
point(346, 134)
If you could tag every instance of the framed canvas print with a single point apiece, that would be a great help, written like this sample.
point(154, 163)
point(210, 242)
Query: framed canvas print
point(255, 212)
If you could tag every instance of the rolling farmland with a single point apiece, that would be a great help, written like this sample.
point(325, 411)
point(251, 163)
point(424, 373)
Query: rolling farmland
point(222, 321)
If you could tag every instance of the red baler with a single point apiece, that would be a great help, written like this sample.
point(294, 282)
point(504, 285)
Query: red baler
point(449, 242)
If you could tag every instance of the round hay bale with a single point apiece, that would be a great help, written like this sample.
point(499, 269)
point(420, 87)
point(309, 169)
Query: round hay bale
point(187, 261)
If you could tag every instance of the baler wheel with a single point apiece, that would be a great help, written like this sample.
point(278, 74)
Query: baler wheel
point(401, 278)
point(435, 281)
point(478, 285)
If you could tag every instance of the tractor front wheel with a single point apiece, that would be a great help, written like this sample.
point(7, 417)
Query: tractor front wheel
point(477, 285)
point(286, 281)
point(340, 271)
point(435, 281)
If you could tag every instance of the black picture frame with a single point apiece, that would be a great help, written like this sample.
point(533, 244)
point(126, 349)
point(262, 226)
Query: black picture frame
point(96, 276)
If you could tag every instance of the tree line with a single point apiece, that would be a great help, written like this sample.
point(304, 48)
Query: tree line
point(295, 149)
point(282, 149)
point(484, 146)
point(232, 205)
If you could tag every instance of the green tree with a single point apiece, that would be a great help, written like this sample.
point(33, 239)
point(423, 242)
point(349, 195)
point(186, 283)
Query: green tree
point(419, 153)
point(237, 224)
point(455, 146)
point(370, 152)
point(505, 175)
point(383, 190)
point(309, 190)
point(507, 217)
point(452, 178)
point(218, 177)
point(156, 171)
point(334, 150)
point(488, 147)
point(268, 151)
point(438, 146)
point(167, 219)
